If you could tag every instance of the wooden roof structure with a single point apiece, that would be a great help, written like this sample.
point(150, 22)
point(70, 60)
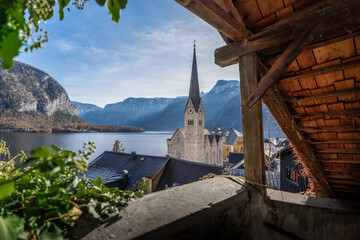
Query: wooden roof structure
point(307, 54)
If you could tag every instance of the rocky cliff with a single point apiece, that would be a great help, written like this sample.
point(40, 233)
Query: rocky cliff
point(25, 88)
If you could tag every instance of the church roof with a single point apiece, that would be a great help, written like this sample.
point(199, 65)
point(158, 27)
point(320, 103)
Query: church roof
point(194, 93)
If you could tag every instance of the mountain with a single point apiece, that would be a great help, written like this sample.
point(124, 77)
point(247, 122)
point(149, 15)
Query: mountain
point(31, 100)
point(25, 88)
point(83, 108)
point(222, 107)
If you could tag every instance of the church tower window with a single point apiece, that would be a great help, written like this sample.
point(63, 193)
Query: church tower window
point(200, 123)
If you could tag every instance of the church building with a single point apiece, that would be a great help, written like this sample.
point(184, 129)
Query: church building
point(194, 142)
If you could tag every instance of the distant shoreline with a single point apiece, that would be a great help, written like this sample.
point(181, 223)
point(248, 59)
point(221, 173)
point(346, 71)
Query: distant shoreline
point(99, 129)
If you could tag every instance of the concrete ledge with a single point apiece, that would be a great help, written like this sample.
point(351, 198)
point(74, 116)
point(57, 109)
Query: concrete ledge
point(226, 208)
point(194, 210)
point(331, 204)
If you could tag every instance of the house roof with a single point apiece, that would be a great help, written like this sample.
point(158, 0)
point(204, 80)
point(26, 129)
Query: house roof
point(109, 165)
point(235, 157)
point(233, 134)
point(310, 62)
point(194, 92)
point(179, 172)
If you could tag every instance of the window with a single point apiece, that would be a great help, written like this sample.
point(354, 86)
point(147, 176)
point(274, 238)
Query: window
point(200, 122)
point(227, 149)
point(293, 175)
point(190, 122)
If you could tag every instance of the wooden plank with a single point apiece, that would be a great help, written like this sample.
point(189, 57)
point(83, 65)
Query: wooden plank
point(344, 114)
point(341, 150)
point(282, 63)
point(334, 128)
point(252, 122)
point(340, 16)
point(323, 95)
point(216, 16)
point(321, 71)
point(341, 141)
point(343, 161)
point(279, 110)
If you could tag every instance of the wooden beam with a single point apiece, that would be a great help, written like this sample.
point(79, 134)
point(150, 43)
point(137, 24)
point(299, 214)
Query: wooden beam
point(323, 95)
point(340, 150)
point(280, 111)
point(340, 141)
point(282, 63)
point(342, 161)
point(233, 11)
point(321, 71)
point(344, 114)
point(334, 128)
point(342, 20)
point(252, 122)
point(216, 16)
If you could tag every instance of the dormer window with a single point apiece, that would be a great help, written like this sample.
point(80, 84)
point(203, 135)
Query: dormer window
point(200, 110)
point(190, 110)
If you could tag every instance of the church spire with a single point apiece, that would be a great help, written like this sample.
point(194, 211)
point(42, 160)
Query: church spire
point(194, 93)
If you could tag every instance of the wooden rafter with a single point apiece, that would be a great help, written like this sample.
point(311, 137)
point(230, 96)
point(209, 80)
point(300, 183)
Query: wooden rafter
point(321, 71)
point(340, 150)
point(333, 128)
point(341, 19)
point(323, 95)
point(342, 161)
point(353, 113)
point(216, 16)
point(341, 141)
point(282, 63)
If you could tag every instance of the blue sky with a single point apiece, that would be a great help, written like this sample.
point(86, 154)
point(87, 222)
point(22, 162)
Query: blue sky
point(147, 54)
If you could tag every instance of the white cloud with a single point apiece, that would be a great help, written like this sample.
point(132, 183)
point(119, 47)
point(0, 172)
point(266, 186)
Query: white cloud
point(157, 63)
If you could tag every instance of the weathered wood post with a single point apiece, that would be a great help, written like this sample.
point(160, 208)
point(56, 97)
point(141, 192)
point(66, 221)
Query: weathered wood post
point(252, 122)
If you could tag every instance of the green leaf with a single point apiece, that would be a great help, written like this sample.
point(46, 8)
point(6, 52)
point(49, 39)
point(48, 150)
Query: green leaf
point(9, 48)
point(62, 4)
point(101, 2)
point(114, 9)
point(42, 152)
point(12, 227)
point(123, 4)
point(6, 188)
point(56, 148)
point(139, 194)
point(52, 232)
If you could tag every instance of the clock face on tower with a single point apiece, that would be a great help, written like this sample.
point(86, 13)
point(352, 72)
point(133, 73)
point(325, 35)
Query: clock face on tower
point(190, 110)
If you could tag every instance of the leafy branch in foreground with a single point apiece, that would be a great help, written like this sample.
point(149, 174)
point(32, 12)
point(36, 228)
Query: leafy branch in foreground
point(20, 20)
point(42, 196)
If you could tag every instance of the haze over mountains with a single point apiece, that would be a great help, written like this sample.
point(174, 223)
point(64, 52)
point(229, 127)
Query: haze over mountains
point(221, 105)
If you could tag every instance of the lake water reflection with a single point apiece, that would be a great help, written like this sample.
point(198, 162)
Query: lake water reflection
point(150, 143)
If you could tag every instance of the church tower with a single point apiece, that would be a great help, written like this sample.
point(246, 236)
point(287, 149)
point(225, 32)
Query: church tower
point(194, 119)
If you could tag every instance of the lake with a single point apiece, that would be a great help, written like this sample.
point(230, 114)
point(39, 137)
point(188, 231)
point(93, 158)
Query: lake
point(149, 143)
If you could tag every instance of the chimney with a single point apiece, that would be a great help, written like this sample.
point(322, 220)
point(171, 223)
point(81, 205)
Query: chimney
point(133, 153)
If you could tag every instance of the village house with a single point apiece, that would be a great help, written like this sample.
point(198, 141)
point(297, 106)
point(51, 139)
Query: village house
point(194, 142)
point(233, 141)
